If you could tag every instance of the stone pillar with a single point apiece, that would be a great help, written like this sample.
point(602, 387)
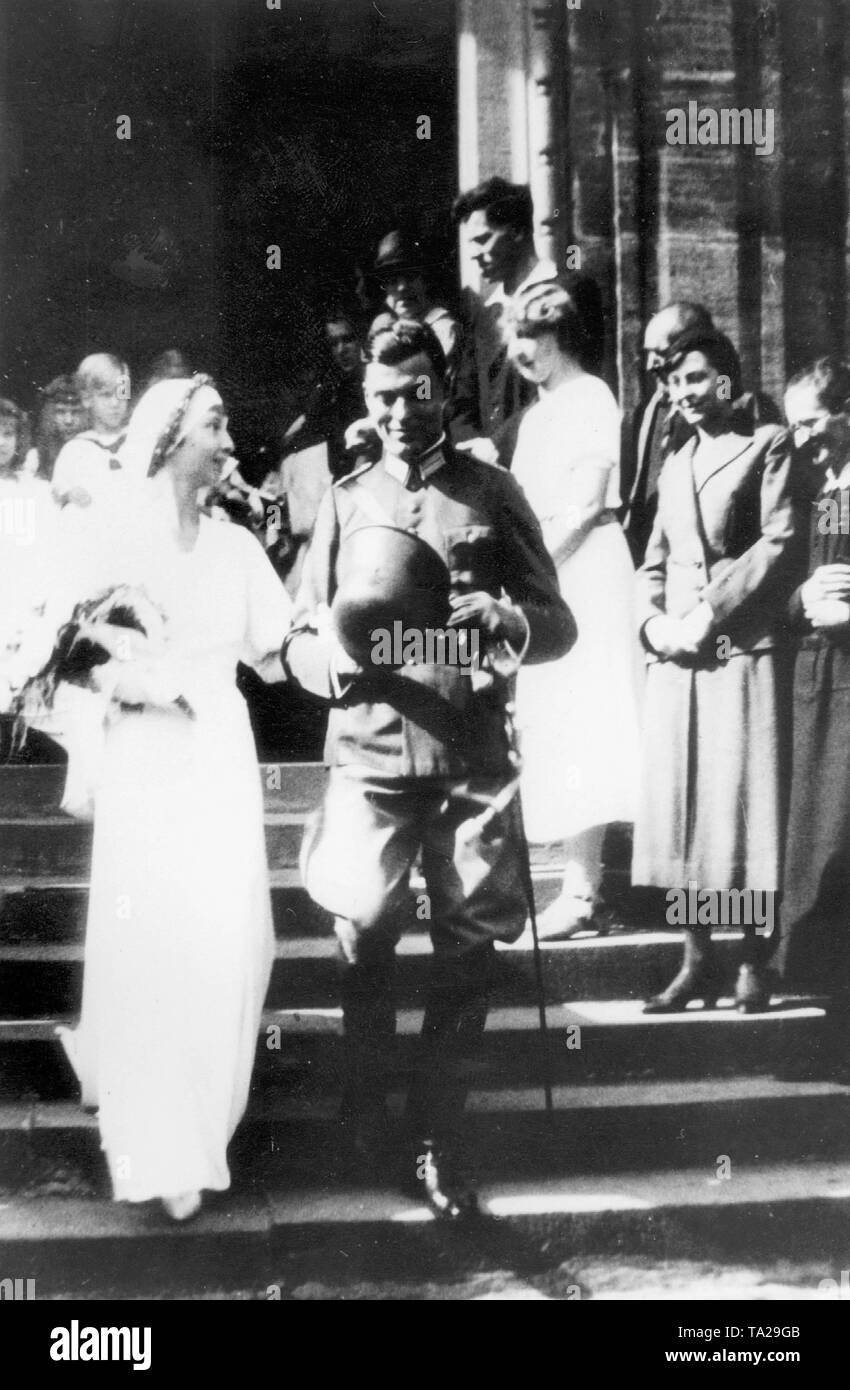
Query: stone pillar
point(814, 178)
point(598, 83)
point(698, 191)
point(545, 28)
point(6, 169)
point(767, 273)
point(492, 98)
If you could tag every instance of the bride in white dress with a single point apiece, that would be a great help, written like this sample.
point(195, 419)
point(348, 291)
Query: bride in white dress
point(179, 939)
point(578, 717)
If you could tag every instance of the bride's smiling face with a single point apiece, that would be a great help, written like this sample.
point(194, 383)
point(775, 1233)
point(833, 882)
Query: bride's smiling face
point(205, 445)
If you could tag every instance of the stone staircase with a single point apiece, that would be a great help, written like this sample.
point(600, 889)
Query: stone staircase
point(670, 1136)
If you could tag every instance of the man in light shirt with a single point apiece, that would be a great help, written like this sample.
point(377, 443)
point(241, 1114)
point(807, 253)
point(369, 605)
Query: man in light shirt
point(497, 220)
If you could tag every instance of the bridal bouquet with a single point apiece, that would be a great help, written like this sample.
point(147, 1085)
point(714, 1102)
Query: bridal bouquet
point(122, 626)
point(98, 632)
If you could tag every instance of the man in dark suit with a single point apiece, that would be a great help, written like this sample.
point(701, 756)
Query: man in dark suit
point(336, 398)
point(648, 432)
point(497, 219)
point(420, 754)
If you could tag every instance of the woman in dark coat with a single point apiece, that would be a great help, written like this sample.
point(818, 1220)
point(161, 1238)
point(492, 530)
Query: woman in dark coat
point(712, 591)
point(815, 941)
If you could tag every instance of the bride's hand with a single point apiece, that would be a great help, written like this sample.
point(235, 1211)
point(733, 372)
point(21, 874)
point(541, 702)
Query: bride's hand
point(138, 682)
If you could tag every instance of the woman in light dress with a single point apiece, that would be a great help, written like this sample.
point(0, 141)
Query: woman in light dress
point(179, 939)
point(578, 717)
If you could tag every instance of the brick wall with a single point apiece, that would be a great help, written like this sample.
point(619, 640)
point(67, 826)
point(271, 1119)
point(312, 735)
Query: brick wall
point(763, 241)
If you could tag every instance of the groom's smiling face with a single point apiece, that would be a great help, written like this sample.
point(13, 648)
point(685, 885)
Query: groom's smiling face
point(405, 404)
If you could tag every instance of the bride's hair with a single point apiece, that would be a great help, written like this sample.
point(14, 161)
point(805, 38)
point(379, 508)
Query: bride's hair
point(170, 436)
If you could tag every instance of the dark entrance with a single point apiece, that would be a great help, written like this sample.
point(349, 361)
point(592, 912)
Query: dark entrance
point(248, 127)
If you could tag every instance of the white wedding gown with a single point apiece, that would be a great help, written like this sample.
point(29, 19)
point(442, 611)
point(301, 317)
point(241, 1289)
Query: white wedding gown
point(179, 940)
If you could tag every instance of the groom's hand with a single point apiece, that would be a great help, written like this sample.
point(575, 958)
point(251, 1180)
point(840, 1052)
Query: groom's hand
point(497, 619)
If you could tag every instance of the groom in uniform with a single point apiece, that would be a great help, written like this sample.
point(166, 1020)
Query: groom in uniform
point(419, 755)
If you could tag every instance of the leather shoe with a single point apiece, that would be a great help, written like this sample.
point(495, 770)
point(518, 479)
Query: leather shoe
point(687, 986)
point(431, 1184)
point(752, 990)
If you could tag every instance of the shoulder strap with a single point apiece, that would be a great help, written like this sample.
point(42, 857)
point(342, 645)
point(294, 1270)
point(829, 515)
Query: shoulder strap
point(368, 503)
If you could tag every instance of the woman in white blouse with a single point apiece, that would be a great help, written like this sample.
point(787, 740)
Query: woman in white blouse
point(578, 716)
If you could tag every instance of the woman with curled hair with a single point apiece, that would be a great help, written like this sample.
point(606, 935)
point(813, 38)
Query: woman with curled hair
point(62, 416)
point(578, 716)
point(712, 590)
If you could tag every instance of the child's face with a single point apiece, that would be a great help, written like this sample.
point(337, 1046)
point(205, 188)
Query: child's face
point(108, 402)
point(68, 419)
point(8, 442)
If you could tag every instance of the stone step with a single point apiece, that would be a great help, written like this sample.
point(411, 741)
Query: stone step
point(45, 976)
point(51, 907)
point(37, 847)
point(273, 1239)
point(58, 845)
point(601, 1129)
point(37, 791)
point(288, 789)
point(589, 1042)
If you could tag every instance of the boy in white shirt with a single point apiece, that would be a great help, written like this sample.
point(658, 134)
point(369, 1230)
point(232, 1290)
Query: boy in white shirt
point(86, 464)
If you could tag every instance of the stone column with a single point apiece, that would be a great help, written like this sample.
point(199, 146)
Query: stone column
point(545, 28)
point(6, 160)
point(492, 97)
point(814, 179)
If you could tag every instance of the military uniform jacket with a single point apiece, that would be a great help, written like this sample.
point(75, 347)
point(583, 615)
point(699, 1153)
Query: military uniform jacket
point(428, 719)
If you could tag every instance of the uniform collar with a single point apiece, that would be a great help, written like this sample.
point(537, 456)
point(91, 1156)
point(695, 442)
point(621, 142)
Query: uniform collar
point(426, 464)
